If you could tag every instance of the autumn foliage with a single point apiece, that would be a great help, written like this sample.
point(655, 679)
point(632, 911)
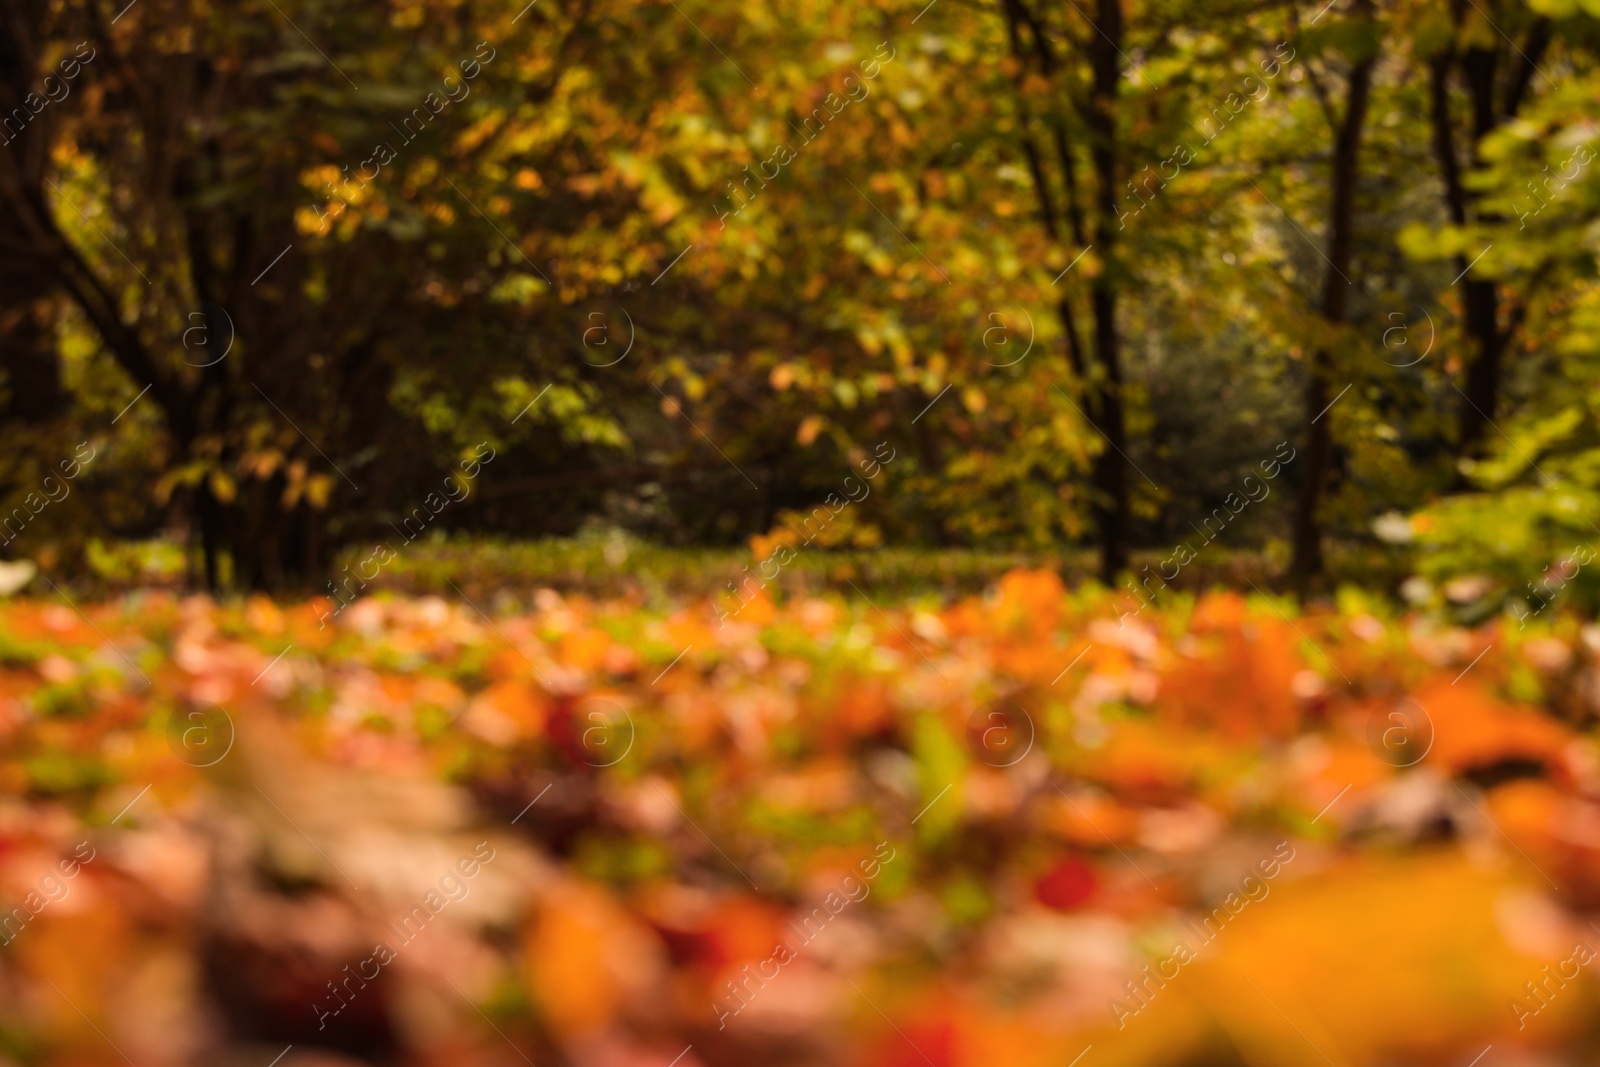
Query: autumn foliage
point(1003, 830)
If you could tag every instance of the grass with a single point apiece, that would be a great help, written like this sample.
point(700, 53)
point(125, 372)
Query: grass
point(613, 565)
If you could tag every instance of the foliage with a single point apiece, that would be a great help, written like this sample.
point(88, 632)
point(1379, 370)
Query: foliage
point(983, 820)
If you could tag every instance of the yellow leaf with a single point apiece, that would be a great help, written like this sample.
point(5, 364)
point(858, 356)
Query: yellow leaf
point(222, 486)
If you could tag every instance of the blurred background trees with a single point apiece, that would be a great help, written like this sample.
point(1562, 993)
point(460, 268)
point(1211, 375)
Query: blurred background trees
point(282, 266)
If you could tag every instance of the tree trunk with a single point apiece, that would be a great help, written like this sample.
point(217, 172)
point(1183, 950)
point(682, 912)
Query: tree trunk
point(1480, 299)
point(1306, 566)
point(30, 370)
point(1016, 13)
point(1112, 513)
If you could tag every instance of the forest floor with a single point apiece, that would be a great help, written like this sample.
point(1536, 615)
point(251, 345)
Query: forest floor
point(1034, 826)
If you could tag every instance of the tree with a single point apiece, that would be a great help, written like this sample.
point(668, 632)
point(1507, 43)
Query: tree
point(1346, 126)
point(1100, 382)
point(1496, 74)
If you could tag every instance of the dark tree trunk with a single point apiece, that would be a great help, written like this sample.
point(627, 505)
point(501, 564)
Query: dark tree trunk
point(1112, 513)
point(1306, 566)
point(209, 517)
point(30, 371)
point(1480, 299)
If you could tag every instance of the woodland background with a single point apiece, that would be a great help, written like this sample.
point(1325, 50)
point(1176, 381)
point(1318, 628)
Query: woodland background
point(1083, 269)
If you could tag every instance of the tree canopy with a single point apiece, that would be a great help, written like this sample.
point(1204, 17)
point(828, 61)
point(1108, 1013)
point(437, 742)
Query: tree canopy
point(1090, 270)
